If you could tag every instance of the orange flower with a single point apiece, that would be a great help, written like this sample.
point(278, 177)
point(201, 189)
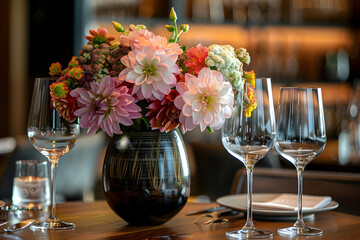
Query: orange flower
point(58, 90)
point(73, 62)
point(55, 69)
point(99, 36)
point(76, 72)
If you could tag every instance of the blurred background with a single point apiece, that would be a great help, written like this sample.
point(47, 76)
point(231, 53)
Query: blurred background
point(295, 42)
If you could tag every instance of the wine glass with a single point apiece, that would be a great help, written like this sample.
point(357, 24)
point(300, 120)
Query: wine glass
point(250, 139)
point(300, 137)
point(53, 137)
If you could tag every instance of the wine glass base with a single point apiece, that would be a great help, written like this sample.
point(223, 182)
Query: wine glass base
point(299, 231)
point(52, 224)
point(249, 234)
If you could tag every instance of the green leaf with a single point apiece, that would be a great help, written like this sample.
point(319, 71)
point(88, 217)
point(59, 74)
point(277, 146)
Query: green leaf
point(210, 130)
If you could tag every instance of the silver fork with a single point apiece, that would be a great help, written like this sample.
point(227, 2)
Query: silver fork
point(216, 217)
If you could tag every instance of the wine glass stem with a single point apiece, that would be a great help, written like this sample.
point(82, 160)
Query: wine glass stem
point(249, 221)
point(54, 164)
point(300, 221)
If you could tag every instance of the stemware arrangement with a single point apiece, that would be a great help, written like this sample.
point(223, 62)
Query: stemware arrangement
point(53, 137)
point(299, 137)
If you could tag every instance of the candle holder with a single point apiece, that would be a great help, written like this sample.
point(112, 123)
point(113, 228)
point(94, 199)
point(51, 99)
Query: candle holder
point(31, 189)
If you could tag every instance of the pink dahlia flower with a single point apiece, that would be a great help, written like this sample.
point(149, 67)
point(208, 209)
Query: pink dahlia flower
point(163, 115)
point(186, 123)
point(196, 58)
point(206, 100)
point(105, 106)
point(152, 72)
point(134, 37)
point(138, 40)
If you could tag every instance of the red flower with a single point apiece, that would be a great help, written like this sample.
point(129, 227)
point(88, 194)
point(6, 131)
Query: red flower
point(196, 59)
point(163, 114)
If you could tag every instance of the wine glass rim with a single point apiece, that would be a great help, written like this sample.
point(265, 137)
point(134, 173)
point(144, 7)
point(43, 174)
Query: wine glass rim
point(31, 162)
point(301, 88)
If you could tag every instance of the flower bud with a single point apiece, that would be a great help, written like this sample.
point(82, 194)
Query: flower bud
point(118, 26)
point(170, 28)
point(101, 32)
point(184, 27)
point(173, 16)
point(92, 32)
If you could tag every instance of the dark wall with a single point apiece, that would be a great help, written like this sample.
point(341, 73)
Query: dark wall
point(51, 27)
point(4, 67)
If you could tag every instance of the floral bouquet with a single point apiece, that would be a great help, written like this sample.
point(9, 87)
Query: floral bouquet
point(145, 80)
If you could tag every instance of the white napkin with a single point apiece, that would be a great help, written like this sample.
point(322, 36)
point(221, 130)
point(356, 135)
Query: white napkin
point(7, 145)
point(290, 202)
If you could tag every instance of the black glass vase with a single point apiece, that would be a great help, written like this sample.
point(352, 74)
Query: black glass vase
point(146, 176)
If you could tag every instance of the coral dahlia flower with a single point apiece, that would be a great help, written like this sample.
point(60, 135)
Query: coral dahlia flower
point(105, 106)
point(196, 58)
point(207, 99)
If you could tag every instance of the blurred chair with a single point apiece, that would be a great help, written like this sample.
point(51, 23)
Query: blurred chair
point(213, 169)
point(342, 187)
point(77, 171)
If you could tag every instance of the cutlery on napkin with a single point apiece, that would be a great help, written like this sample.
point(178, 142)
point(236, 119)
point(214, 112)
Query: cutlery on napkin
point(290, 202)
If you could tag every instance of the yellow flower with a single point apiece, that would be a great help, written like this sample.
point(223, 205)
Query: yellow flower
point(250, 78)
point(249, 108)
point(251, 104)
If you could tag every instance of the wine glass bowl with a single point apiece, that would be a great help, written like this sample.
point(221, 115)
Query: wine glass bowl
point(300, 137)
point(52, 136)
point(249, 139)
point(52, 144)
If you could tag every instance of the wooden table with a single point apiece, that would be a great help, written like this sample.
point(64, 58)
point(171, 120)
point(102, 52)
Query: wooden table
point(97, 221)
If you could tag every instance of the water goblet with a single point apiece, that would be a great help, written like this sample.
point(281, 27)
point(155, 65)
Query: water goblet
point(249, 139)
point(300, 137)
point(53, 137)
